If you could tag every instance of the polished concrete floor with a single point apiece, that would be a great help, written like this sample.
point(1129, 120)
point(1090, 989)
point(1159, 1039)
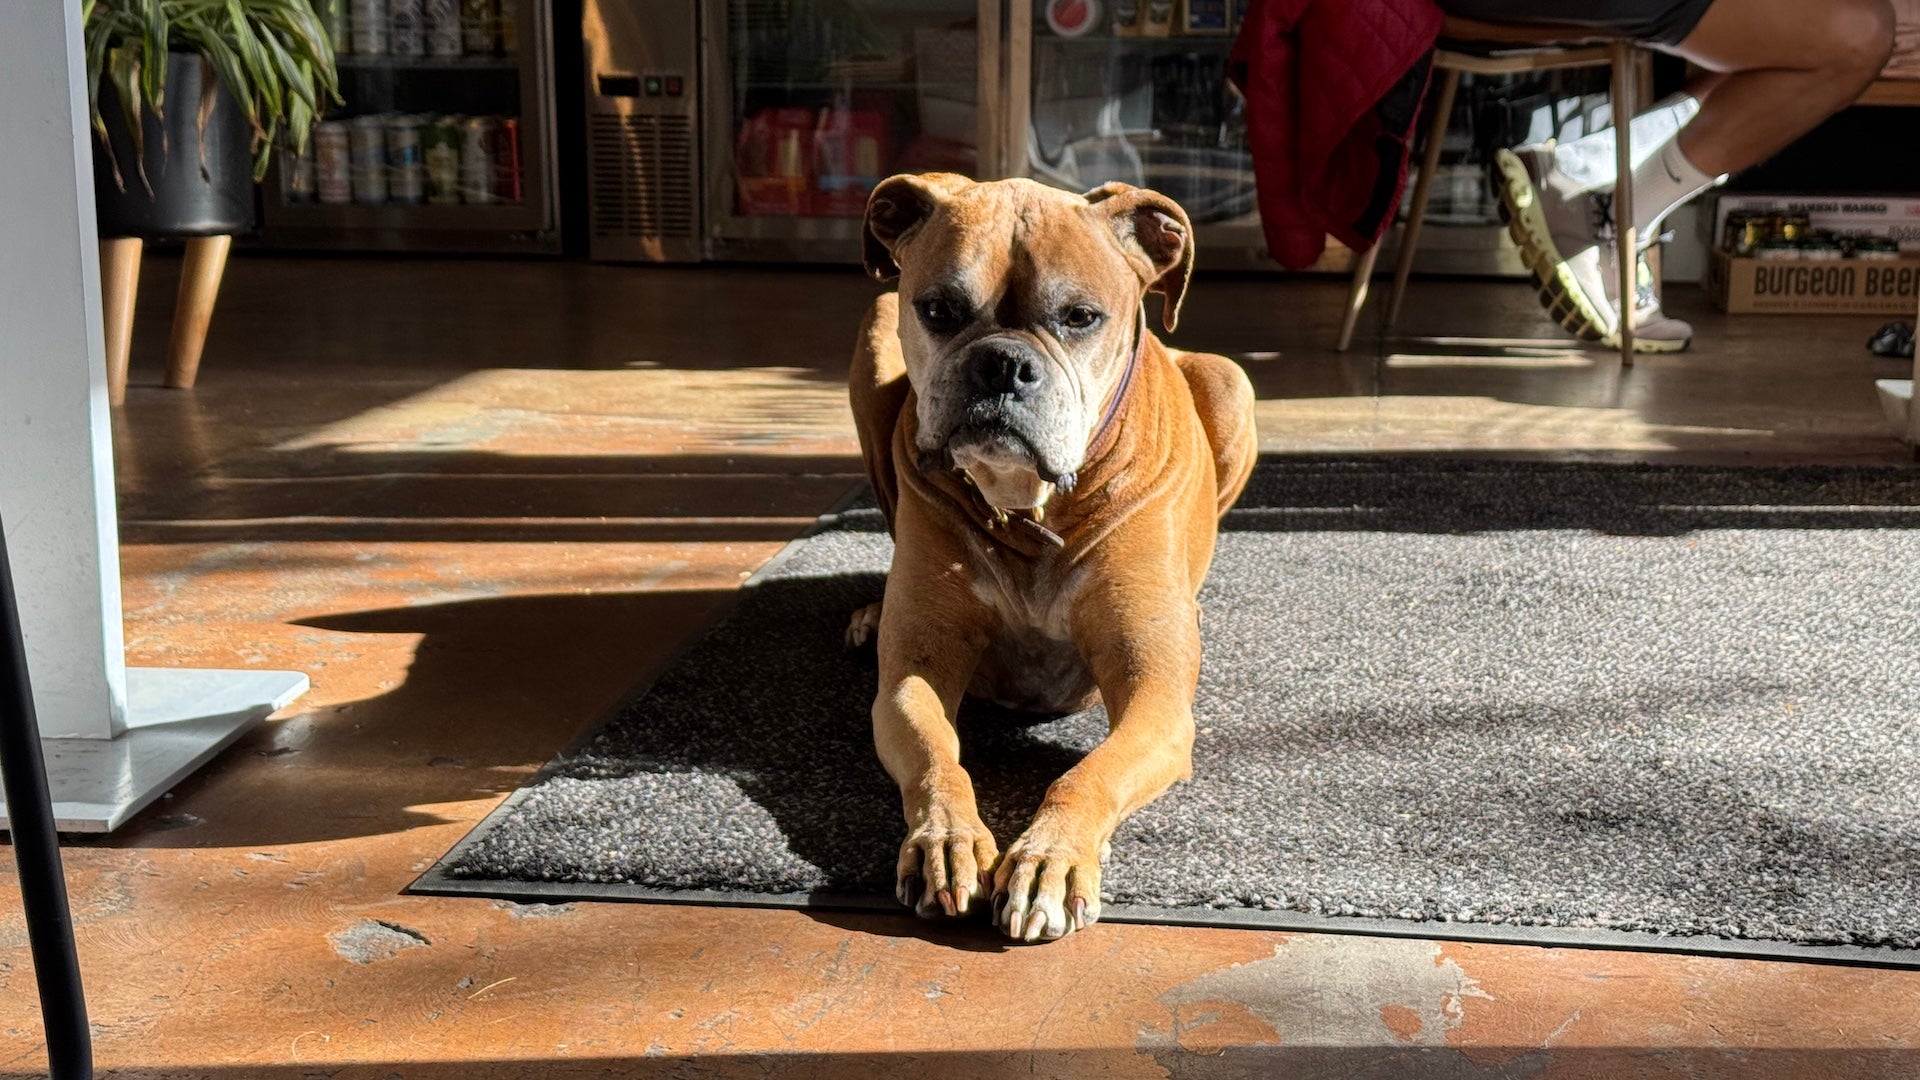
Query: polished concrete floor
point(476, 501)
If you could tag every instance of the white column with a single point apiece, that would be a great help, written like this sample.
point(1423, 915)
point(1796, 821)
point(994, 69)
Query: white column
point(56, 460)
point(115, 739)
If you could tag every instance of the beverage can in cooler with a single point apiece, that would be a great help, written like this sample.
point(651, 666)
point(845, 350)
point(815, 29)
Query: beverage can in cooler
point(441, 148)
point(443, 27)
point(506, 160)
point(369, 159)
point(300, 178)
point(330, 162)
point(478, 20)
point(369, 26)
point(509, 24)
point(476, 160)
point(406, 173)
point(409, 36)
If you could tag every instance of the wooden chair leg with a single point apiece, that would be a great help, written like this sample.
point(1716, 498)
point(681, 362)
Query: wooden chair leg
point(1626, 250)
point(199, 283)
point(1442, 105)
point(1357, 294)
point(119, 286)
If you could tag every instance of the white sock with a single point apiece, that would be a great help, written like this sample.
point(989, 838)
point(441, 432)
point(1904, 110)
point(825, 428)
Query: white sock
point(1586, 164)
point(1662, 183)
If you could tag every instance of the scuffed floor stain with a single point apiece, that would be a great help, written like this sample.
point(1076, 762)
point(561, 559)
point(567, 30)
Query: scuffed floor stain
point(1339, 1007)
point(370, 940)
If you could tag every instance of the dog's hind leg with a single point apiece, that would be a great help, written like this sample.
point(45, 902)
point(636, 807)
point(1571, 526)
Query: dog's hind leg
point(863, 626)
point(877, 389)
point(1223, 397)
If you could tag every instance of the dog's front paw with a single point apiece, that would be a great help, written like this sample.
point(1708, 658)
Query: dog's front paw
point(1047, 886)
point(945, 863)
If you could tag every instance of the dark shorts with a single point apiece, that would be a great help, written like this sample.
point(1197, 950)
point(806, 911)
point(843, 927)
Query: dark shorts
point(1664, 22)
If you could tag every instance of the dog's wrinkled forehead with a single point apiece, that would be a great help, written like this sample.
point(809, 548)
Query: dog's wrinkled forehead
point(1017, 242)
point(1025, 238)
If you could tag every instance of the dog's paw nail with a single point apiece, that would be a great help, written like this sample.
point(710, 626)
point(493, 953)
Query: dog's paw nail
point(1079, 913)
point(1036, 925)
point(945, 896)
point(962, 900)
point(909, 890)
point(999, 908)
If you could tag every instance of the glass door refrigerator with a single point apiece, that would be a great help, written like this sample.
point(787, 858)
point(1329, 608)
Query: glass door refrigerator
point(445, 138)
point(1136, 91)
point(809, 103)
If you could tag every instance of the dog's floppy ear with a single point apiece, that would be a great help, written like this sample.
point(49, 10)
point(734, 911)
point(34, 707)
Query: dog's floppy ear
point(1156, 227)
point(898, 205)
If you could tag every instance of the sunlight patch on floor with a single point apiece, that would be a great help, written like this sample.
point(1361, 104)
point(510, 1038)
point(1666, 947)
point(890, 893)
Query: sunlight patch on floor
point(531, 411)
point(1436, 423)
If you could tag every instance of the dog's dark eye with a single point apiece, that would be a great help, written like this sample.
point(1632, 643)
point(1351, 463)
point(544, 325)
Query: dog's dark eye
point(941, 315)
point(1080, 317)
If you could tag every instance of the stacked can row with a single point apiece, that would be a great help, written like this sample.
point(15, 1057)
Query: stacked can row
point(392, 158)
point(413, 28)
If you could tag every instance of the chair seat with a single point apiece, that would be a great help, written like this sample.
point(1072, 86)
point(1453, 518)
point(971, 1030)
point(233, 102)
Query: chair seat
point(1507, 58)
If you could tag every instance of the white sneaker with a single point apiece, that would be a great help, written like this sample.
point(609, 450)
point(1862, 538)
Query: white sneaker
point(1653, 330)
point(1566, 240)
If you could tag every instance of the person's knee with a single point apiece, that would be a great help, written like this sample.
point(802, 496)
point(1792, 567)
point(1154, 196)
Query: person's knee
point(1861, 35)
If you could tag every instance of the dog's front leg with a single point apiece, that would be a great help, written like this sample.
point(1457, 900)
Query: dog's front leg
point(929, 644)
point(1144, 648)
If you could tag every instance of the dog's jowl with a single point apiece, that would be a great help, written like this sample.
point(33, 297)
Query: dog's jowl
point(1053, 477)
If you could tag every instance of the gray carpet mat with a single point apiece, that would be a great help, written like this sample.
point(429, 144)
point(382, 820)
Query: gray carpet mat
point(1629, 706)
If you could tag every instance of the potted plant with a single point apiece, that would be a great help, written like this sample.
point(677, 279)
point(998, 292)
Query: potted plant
point(250, 75)
point(188, 100)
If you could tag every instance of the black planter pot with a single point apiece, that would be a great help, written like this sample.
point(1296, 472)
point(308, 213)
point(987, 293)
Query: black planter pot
point(194, 194)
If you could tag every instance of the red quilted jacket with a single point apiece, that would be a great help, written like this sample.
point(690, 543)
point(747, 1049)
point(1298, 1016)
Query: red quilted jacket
point(1332, 90)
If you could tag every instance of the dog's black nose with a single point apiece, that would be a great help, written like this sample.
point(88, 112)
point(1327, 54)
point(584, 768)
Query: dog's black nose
point(998, 368)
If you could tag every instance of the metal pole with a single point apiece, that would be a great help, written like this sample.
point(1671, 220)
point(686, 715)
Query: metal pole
point(36, 850)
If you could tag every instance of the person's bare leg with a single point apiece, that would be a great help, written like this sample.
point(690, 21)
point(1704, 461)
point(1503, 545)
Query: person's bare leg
point(1787, 66)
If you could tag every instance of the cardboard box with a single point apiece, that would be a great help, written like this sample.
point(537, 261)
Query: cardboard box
point(1895, 217)
point(1743, 286)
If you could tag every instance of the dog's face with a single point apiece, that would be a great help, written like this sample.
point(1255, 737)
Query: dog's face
point(1020, 308)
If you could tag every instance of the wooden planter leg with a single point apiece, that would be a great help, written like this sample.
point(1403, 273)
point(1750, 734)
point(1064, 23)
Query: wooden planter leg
point(119, 284)
point(199, 283)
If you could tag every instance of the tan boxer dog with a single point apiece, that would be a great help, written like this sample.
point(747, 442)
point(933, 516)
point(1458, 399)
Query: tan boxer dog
point(1053, 477)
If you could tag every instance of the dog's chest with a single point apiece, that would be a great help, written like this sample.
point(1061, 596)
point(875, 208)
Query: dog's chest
point(1032, 661)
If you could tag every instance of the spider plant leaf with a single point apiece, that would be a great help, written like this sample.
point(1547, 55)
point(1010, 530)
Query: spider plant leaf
point(300, 88)
point(259, 69)
point(232, 75)
point(154, 34)
point(123, 71)
point(99, 36)
point(209, 97)
point(299, 119)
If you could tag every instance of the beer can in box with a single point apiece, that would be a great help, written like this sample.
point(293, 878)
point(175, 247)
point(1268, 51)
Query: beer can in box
point(331, 170)
point(443, 28)
point(441, 145)
point(478, 20)
point(406, 172)
point(476, 160)
point(369, 135)
point(506, 160)
point(409, 33)
point(369, 26)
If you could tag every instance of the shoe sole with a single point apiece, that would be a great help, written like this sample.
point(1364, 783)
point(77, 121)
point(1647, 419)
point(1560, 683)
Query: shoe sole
point(1560, 294)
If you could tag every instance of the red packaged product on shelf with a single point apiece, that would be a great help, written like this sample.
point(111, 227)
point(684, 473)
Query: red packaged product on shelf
point(771, 162)
point(850, 156)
